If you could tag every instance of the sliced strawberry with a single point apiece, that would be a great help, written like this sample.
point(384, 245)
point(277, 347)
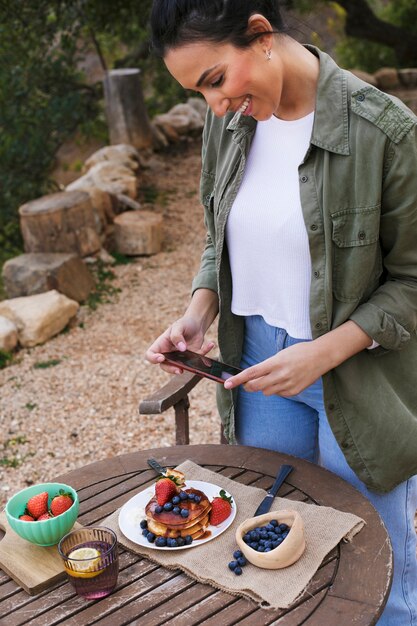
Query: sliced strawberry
point(38, 505)
point(165, 489)
point(61, 503)
point(221, 507)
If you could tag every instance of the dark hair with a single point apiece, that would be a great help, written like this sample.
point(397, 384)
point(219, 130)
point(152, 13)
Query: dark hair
point(177, 22)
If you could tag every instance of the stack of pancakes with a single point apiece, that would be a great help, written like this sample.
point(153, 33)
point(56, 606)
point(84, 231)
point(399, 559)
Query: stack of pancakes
point(169, 524)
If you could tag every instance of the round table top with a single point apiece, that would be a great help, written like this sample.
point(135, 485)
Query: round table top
point(351, 586)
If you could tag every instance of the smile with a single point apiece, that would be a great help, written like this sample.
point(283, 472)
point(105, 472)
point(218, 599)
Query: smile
point(242, 109)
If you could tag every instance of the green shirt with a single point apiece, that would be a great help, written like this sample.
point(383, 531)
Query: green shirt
point(358, 188)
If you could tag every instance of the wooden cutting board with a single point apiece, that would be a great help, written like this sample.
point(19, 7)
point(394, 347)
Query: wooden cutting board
point(33, 567)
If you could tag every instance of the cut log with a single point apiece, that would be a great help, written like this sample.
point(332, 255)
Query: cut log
point(38, 272)
point(126, 114)
point(138, 232)
point(60, 222)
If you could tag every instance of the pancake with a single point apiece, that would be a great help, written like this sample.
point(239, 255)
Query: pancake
point(169, 524)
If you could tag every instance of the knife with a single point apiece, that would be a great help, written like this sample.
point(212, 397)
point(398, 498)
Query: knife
point(157, 467)
point(267, 501)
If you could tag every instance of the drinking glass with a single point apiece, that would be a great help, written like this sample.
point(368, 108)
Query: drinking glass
point(96, 576)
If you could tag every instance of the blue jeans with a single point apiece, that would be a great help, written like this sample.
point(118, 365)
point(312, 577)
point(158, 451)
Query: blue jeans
point(299, 426)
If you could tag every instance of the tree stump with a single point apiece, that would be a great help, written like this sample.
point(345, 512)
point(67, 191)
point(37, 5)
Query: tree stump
point(126, 114)
point(60, 222)
point(137, 233)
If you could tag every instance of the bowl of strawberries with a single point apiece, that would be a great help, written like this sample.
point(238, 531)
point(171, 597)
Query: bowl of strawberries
point(44, 513)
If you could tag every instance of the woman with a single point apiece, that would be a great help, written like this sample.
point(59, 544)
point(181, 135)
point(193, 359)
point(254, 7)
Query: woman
point(308, 184)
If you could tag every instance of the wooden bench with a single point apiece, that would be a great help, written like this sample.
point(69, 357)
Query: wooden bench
point(175, 394)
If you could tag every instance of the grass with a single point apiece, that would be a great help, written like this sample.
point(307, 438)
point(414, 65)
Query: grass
point(42, 365)
point(104, 289)
point(10, 456)
point(5, 358)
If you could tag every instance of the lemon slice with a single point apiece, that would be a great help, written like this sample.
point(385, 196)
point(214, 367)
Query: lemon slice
point(84, 563)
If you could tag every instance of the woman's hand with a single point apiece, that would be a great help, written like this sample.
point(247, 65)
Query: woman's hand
point(287, 373)
point(188, 332)
point(295, 368)
point(184, 334)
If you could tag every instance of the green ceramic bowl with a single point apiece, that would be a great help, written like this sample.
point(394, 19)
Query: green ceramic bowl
point(47, 532)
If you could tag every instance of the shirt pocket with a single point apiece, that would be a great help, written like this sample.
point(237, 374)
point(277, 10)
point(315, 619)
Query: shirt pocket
point(356, 252)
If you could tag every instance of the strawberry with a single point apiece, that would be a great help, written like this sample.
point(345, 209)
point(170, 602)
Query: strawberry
point(221, 507)
point(38, 505)
point(26, 518)
point(165, 489)
point(61, 503)
point(43, 517)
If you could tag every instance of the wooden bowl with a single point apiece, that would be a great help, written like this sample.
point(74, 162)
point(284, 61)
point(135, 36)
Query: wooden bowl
point(287, 553)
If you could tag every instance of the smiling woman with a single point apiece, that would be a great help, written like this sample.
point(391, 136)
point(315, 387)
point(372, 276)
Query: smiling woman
point(308, 186)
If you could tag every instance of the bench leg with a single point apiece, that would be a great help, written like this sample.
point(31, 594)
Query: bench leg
point(182, 431)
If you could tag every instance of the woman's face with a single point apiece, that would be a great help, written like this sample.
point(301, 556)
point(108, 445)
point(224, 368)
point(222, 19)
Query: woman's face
point(230, 79)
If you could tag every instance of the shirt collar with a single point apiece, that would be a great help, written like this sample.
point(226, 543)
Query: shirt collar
point(331, 125)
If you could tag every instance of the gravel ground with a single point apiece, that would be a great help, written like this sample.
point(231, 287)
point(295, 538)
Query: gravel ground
point(85, 407)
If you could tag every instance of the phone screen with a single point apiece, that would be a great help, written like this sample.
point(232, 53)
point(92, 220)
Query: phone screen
point(202, 365)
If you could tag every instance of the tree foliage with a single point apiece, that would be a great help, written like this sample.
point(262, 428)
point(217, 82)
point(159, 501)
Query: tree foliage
point(372, 33)
point(44, 97)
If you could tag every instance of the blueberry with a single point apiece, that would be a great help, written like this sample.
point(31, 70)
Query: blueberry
point(184, 513)
point(150, 537)
point(159, 509)
point(272, 536)
point(233, 565)
point(261, 548)
point(145, 532)
point(168, 506)
point(188, 540)
point(263, 535)
point(267, 544)
point(197, 499)
point(269, 527)
point(191, 496)
point(183, 495)
point(180, 541)
point(238, 570)
point(241, 561)
point(246, 538)
point(176, 510)
point(169, 542)
point(267, 549)
point(144, 524)
point(175, 500)
point(275, 544)
point(254, 545)
point(285, 534)
point(283, 527)
point(237, 554)
point(254, 536)
point(161, 542)
point(273, 522)
point(174, 543)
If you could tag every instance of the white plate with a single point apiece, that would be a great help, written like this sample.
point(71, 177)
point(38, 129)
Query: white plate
point(133, 512)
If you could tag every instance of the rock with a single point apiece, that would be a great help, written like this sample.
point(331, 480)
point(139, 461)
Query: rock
point(60, 222)
point(183, 118)
point(39, 317)
point(8, 334)
point(38, 272)
point(200, 105)
point(122, 154)
point(166, 130)
point(138, 232)
point(110, 177)
point(368, 78)
point(387, 78)
point(408, 77)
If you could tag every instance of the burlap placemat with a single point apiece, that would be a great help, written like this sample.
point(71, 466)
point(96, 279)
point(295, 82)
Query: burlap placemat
point(207, 563)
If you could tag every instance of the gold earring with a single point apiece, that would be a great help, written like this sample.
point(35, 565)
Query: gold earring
point(268, 54)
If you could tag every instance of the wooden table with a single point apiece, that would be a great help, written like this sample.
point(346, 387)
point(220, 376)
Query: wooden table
point(351, 586)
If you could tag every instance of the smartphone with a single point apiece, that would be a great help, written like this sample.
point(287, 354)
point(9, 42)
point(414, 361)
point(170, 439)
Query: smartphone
point(202, 365)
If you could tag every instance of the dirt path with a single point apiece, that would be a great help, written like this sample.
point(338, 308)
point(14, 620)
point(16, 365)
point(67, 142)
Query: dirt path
point(85, 407)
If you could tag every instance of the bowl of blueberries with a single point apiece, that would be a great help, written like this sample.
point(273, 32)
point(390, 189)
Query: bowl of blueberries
point(272, 541)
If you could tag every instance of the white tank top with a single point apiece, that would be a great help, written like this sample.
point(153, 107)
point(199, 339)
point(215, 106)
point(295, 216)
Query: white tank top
point(265, 232)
